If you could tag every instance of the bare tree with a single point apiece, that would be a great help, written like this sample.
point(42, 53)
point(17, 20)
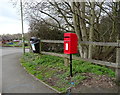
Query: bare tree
point(91, 21)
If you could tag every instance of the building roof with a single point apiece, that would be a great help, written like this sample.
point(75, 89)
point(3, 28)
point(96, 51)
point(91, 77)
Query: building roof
point(4, 38)
point(0, 38)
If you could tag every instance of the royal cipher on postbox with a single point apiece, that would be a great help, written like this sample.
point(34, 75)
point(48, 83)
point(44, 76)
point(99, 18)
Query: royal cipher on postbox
point(70, 43)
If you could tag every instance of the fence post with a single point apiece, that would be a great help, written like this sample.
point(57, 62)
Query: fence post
point(118, 62)
point(66, 61)
point(40, 47)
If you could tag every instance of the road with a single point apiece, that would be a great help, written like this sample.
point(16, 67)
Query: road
point(0, 70)
point(14, 78)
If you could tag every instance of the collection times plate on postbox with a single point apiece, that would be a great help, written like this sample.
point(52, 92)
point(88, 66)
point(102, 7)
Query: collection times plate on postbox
point(70, 43)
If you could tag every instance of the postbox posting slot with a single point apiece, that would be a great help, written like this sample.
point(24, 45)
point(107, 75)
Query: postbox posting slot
point(66, 37)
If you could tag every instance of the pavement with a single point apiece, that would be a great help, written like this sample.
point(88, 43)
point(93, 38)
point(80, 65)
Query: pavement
point(14, 78)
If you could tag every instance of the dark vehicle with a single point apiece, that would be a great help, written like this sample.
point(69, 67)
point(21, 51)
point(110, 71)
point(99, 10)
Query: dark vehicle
point(35, 44)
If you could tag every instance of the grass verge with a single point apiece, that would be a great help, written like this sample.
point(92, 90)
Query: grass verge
point(52, 71)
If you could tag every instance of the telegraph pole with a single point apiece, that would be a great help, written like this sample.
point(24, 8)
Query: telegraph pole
point(23, 40)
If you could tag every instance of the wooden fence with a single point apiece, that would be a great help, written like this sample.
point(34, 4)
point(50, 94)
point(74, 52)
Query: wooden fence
point(105, 63)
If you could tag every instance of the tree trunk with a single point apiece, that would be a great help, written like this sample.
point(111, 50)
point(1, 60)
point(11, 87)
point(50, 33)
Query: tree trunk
point(118, 20)
point(83, 28)
point(76, 27)
point(80, 26)
point(92, 19)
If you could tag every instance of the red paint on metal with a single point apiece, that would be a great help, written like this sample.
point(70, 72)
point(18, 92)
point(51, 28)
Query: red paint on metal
point(70, 43)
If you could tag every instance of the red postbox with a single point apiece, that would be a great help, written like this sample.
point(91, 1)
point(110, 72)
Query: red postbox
point(70, 43)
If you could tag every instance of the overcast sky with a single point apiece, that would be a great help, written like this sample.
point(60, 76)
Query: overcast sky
point(10, 18)
point(10, 22)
